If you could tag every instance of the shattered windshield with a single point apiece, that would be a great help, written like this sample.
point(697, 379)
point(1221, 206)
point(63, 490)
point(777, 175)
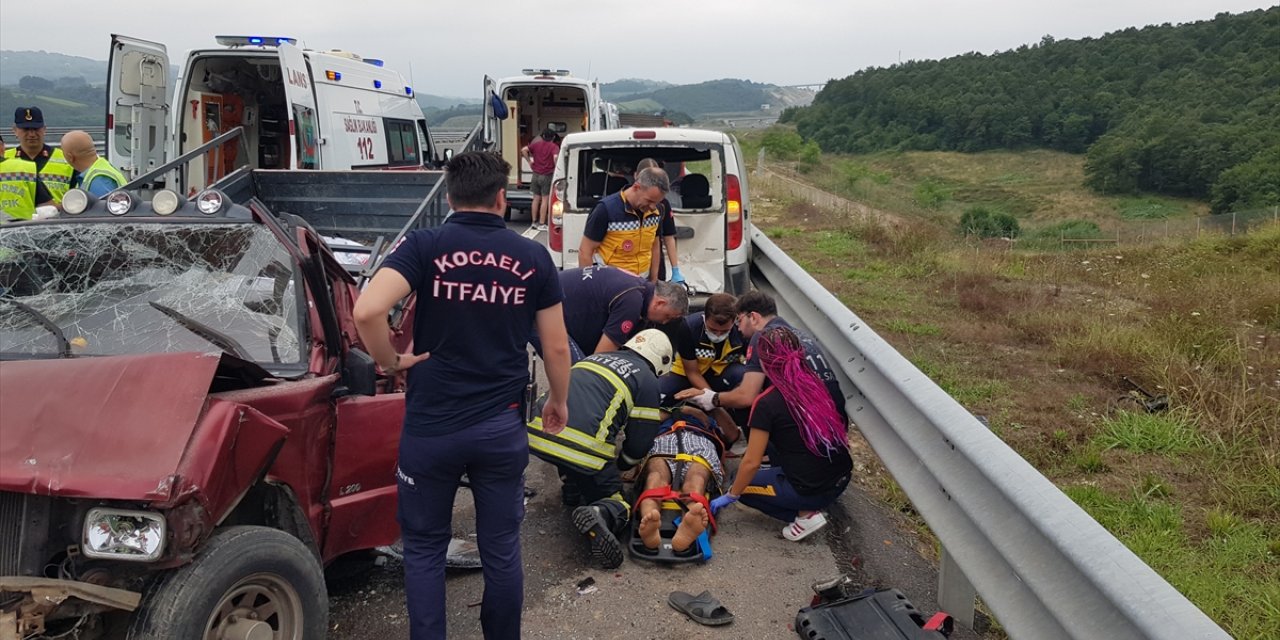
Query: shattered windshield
point(113, 288)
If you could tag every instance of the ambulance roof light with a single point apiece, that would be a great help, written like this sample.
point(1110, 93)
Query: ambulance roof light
point(374, 61)
point(256, 41)
point(545, 72)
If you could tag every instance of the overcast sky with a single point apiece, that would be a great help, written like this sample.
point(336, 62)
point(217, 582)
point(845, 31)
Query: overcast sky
point(449, 46)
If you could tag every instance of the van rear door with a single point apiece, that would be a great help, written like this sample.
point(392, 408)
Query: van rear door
point(137, 105)
point(489, 120)
point(304, 124)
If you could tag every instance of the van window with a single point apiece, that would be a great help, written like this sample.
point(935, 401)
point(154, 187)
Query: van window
point(696, 174)
point(402, 142)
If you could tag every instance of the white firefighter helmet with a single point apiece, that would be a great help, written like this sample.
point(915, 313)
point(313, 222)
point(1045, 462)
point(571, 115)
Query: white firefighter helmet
point(655, 346)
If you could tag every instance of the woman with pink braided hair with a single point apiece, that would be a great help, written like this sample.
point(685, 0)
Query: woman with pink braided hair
point(806, 438)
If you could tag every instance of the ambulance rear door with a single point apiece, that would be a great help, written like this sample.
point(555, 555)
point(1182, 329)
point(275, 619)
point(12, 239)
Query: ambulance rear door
point(138, 108)
point(489, 119)
point(304, 123)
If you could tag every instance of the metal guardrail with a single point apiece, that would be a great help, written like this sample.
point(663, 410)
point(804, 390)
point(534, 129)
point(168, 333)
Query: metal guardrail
point(1044, 567)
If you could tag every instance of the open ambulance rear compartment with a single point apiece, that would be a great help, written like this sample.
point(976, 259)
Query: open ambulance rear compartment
point(533, 108)
point(226, 90)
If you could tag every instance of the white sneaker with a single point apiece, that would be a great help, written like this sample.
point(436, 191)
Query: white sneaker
point(800, 528)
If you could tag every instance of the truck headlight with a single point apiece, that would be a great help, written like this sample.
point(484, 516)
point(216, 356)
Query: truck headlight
point(118, 534)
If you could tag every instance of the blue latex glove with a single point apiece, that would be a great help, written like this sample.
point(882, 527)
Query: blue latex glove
point(722, 502)
point(676, 276)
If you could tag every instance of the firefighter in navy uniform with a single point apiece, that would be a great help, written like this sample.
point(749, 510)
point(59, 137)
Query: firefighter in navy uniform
point(608, 392)
point(481, 289)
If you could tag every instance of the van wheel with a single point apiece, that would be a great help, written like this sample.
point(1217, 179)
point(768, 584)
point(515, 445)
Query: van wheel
point(245, 583)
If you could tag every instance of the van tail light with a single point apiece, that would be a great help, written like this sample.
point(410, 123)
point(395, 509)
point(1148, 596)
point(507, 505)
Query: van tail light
point(555, 230)
point(734, 209)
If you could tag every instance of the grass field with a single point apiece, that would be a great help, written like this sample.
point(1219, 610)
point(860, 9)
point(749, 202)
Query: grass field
point(1050, 345)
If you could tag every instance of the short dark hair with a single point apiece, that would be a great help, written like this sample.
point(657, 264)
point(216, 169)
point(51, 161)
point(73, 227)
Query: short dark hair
point(475, 179)
point(721, 307)
point(757, 301)
point(548, 134)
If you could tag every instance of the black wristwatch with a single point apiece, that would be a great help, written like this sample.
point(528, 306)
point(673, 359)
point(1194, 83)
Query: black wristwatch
point(715, 399)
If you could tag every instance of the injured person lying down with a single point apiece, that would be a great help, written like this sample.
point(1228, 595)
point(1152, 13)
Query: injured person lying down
point(688, 454)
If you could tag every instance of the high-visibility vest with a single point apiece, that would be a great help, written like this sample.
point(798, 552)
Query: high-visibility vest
point(56, 174)
point(98, 169)
point(17, 188)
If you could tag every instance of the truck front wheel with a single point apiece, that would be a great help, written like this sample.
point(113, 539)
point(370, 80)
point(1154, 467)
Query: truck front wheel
point(245, 583)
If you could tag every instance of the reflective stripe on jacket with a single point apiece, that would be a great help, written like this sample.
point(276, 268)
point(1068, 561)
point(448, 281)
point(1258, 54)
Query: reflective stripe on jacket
point(17, 187)
point(608, 392)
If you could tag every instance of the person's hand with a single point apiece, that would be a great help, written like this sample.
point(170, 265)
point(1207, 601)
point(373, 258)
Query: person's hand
point(704, 399)
point(722, 502)
point(676, 276)
point(554, 415)
point(404, 361)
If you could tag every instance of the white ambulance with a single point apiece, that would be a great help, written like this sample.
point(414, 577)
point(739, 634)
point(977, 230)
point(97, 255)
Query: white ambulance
point(519, 108)
point(301, 109)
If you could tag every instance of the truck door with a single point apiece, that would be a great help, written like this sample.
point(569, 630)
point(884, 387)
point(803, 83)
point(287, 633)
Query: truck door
point(489, 121)
point(304, 124)
point(137, 105)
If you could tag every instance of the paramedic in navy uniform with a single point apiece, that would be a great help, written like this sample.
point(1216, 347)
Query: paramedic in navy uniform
point(481, 289)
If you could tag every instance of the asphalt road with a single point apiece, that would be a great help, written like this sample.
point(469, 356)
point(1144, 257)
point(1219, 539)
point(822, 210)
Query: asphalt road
point(760, 577)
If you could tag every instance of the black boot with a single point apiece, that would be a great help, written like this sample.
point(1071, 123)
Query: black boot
point(593, 523)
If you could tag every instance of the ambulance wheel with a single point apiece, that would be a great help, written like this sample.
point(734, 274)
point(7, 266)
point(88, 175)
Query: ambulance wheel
point(244, 583)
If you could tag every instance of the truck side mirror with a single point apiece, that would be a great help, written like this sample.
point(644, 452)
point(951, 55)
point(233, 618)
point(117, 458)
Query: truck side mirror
point(359, 374)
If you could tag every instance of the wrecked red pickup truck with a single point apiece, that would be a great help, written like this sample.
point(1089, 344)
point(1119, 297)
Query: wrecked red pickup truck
point(189, 429)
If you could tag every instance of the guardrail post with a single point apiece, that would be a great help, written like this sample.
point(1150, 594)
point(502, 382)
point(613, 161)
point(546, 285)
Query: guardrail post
point(956, 595)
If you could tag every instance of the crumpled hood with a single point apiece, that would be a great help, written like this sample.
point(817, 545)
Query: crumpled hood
point(110, 427)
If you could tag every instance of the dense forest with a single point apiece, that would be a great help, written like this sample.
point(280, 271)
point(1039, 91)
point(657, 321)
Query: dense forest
point(1188, 110)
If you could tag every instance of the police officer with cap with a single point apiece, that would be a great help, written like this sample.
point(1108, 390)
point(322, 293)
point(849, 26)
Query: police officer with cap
point(33, 173)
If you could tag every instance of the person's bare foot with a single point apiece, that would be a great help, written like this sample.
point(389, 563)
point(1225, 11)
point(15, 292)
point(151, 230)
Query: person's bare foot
point(691, 526)
point(651, 528)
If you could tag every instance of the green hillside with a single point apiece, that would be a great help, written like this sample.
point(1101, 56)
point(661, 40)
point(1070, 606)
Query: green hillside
point(1189, 110)
point(629, 87)
point(62, 106)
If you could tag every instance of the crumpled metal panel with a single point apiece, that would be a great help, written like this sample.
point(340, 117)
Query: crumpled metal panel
point(113, 427)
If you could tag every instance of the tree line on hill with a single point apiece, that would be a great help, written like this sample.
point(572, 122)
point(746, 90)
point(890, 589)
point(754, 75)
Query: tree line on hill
point(1189, 110)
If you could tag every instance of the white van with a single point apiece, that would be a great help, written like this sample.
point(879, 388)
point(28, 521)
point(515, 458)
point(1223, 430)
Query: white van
point(519, 108)
point(709, 197)
point(301, 109)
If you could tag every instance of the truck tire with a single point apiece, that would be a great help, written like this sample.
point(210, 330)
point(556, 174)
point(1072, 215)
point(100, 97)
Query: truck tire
point(246, 582)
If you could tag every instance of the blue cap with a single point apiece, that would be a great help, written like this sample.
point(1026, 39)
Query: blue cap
point(28, 118)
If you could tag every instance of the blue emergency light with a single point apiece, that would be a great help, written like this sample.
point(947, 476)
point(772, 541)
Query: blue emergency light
point(377, 84)
point(374, 61)
point(408, 91)
point(259, 41)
